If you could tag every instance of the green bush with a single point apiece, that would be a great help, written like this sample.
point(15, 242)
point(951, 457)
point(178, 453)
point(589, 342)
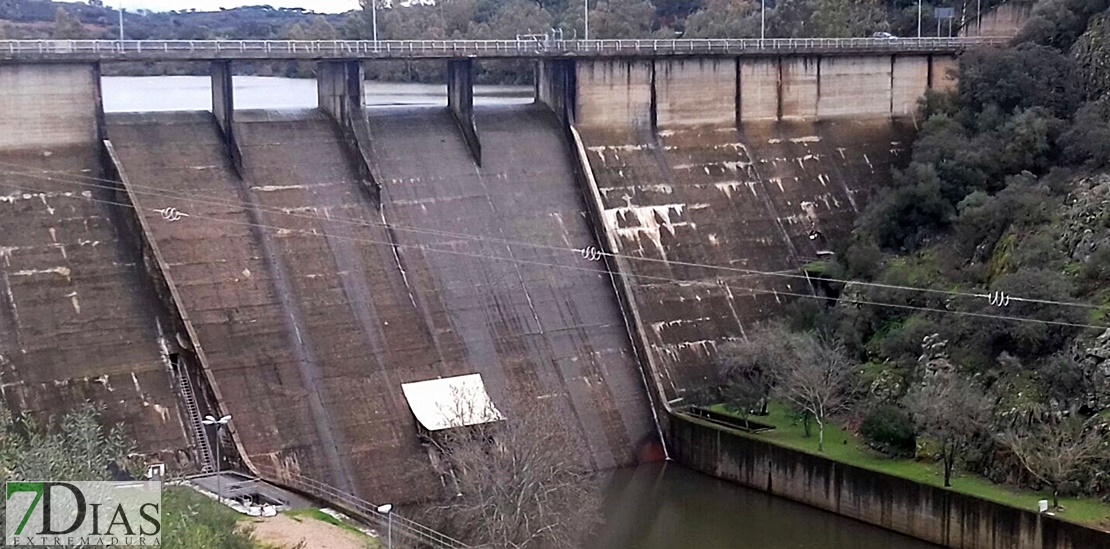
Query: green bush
point(889, 430)
point(1097, 268)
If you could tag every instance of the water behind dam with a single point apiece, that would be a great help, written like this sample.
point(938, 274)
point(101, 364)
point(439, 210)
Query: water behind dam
point(647, 507)
point(193, 93)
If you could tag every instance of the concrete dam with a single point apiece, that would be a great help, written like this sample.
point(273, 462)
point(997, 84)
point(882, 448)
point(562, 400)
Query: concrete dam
point(298, 269)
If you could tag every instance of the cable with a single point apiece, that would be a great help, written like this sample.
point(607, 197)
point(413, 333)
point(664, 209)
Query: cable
point(720, 282)
point(994, 298)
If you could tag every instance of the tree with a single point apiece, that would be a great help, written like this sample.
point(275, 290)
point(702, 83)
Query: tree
point(77, 447)
point(516, 482)
point(622, 19)
point(951, 411)
point(847, 18)
point(817, 379)
point(320, 29)
point(724, 19)
point(747, 367)
point(66, 26)
point(1055, 451)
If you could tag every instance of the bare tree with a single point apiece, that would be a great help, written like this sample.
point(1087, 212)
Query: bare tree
point(1055, 451)
point(950, 410)
point(746, 367)
point(817, 377)
point(517, 482)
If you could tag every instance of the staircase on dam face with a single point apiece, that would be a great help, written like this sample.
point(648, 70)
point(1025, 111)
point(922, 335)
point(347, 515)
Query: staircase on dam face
point(193, 418)
point(768, 198)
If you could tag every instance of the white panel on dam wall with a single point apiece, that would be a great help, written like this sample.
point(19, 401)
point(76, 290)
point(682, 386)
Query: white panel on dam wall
point(911, 80)
point(695, 92)
point(47, 105)
point(759, 89)
point(799, 87)
point(614, 93)
point(854, 87)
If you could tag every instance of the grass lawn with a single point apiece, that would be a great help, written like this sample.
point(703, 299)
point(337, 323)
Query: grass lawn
point(847, 448)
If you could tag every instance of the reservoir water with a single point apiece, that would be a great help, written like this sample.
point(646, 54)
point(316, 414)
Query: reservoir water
point(193, 93)
point(648, 507)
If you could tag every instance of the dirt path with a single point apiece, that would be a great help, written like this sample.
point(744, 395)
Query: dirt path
point(285, 533)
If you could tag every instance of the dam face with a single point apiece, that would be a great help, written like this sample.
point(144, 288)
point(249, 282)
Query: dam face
point(295, 269)
point(718, 179)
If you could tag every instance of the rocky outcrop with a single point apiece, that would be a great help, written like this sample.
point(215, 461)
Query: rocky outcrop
point(1085, 220)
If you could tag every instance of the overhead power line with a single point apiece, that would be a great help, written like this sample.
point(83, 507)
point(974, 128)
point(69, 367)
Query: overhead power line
point(432, 248)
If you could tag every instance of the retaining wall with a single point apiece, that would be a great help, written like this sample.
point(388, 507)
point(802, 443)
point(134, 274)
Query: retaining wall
point(926, 512)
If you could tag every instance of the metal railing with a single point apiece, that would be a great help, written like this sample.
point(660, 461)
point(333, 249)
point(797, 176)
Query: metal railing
point(115, 49)
point(403, 528)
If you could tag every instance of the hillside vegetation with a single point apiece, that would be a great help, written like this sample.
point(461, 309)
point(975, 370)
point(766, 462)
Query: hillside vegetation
point(1002, 211)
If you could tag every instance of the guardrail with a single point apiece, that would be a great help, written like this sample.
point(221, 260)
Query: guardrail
point(369, 49)
point(403, 528)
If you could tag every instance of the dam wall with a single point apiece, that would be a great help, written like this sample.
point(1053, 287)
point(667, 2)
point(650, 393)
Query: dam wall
point(724, 91)
point(931, 513)
point(79, 319)
point(495, 270)
point(49, 106)
point(315, 298)
point(731, 177)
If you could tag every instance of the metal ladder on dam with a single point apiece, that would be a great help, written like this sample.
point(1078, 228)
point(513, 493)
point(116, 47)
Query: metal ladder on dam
point(204, 450)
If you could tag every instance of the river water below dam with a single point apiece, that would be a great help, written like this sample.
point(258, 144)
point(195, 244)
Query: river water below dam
point(653, 506)
point(666, 506)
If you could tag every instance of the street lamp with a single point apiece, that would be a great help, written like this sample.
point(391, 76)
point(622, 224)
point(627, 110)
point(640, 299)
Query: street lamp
point(374, 17)
point(586, 9)
point(762, 20)
point(219, 423)
point(387, 510)
point(919, 18)
point(121, 23)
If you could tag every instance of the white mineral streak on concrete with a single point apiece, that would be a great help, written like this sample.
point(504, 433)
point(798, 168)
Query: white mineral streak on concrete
point(62, 271)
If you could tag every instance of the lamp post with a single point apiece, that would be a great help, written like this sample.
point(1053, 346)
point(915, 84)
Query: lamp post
point(586, 10)
point(374, 17)
point(919, 18)
point(762, 20)
point(219, 423)
point(387, 510)
point(121, 22)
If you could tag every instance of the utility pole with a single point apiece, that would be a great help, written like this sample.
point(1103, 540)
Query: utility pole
point(919, 18)
point(219, 423)
point(121, 22)
point(978, 17)
point(586, 9)
point(762, 20)
point(374, 17)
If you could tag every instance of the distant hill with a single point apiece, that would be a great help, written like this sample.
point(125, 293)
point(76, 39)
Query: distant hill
point(33, 19)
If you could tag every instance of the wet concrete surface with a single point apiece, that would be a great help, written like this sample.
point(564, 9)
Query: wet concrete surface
point(78, 318)
point(702, 210)
point(312, 313)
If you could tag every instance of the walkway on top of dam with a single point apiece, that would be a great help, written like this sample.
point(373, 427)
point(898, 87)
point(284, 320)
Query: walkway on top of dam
point(207, 50)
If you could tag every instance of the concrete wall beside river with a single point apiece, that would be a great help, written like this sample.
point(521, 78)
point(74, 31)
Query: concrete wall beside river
point(926, 512)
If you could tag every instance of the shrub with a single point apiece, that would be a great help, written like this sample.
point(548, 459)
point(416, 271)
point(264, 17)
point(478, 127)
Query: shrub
point(889, 429)
point(1097, 268)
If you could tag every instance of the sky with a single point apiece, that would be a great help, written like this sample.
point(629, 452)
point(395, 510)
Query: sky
point(322, 6)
